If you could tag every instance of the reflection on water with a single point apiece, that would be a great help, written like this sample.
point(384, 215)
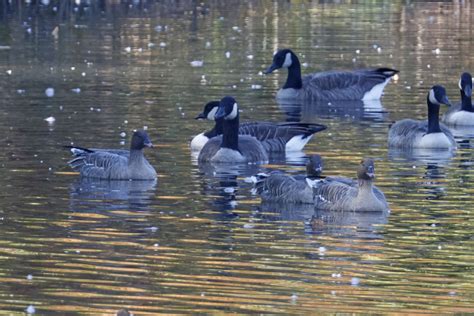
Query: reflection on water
point(354, 110)
point(198, 241)
point(107, 194)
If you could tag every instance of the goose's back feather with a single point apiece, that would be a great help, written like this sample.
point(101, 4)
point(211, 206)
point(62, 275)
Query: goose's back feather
point(344, 85)
point(112, 164)
point(340, 194)
point(277, 137)
point(278, 187)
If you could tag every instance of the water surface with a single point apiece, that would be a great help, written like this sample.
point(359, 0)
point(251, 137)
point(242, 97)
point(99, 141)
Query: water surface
point(198, 240)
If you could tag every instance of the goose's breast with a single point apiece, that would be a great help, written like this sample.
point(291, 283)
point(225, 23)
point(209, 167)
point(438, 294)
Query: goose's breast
point(434, 140)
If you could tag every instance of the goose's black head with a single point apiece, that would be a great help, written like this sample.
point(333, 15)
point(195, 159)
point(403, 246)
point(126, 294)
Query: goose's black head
point(140, 140)
point(209, 111)
point(314, 167)
point(465, 84)
point(228, 109)
point(437, 96)
point(366, 169)
point(283, 58)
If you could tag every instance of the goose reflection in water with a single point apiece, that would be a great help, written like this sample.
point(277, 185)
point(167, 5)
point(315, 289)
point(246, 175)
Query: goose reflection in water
point(345, 224)
point(358, 110)
point(222, 183)
point(109, 194)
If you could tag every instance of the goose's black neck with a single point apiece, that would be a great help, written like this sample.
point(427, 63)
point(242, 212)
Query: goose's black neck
point(216, 130)
point(294, 74)
point(466, 103)
point(433, 117)
point(230, 135)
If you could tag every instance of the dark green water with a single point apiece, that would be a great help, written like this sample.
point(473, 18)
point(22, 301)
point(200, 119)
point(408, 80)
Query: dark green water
point(198, 241)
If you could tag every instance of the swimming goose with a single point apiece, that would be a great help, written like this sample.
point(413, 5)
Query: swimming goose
point(275, 137)
point(114, 164)
point(463, 113)
point(429, 133)
point(231, 147)
point(343, 194)
point(362, 84)
point(281, 188)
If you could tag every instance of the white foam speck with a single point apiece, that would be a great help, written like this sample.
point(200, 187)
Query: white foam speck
point(30, 309)
point(20, 91)
point(49, 92)
point(128, 49)
point(9, 72)
point(208, 44)
point(151, 45)
point(357, 51)
point(76, 90)
point(227, 54)
point(50, 119)
point(163, 44)
point(355, 281)
point(248, 226)
point(29, 277)
point(229, 190)
point(256, 86)
point(249, 57)
point(197, 63)
point(123, 134)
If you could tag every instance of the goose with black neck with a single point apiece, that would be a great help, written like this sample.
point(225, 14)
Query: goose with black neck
point(231, 147)
point(362, 84)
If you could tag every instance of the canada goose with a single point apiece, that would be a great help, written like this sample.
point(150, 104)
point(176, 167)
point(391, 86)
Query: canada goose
point(362, 84)
point(232, 147)
point(275, 137)
point(342, 194)
point(463, 113)
point(429, 133)
point(281, 188)
point(115, 164)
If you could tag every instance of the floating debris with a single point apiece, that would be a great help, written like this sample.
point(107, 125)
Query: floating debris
point(229, 190)
point(49, 92)
point(76, 90)
point(29, 277)
point(9, 72)
point(123, 134)
point(163, 45)
point(256, 86)
point(128, 49)
point(4, 47)
point(227, 54)
point(151, 45)
point(249, 57)
point(437, 51)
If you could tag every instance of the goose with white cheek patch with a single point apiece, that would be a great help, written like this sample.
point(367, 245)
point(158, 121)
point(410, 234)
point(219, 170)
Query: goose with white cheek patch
point(232, 147)
point(430, 134)
point(344, 194)
point(275, 137)
point(115, 164)
point(462, 114)
point(282, 188)
point(362, 84)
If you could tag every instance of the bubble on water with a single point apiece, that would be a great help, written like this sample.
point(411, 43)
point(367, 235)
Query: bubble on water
point(227, 54)
point(208, 45)
point(305, 65)
point(125, 122)
point(151, 45)
point(256, 86)
point(83, 74)
point(437, 51)
point(76, 90)
point(229, 190)
point(357, 51)
point(249, 226)
point(249, 57)
point(145, 127)
point(156, 245)
point(9, 72)
point(163, 44)
point(123, 134)
point(20, 91)
point(29, 277)
point(49, 92)
point(127, 49)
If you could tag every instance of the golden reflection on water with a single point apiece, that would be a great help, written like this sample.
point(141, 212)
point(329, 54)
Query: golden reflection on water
point(197, 240)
